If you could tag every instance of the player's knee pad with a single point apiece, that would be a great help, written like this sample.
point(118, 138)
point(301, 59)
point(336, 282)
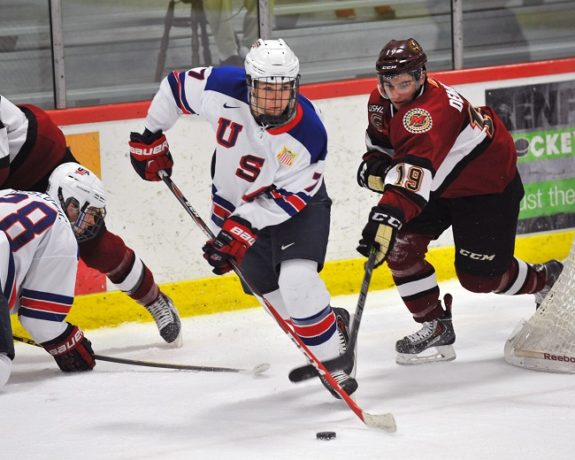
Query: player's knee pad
point(479, 283)
point(408, 254)
point(302, 289)
point(277, 301)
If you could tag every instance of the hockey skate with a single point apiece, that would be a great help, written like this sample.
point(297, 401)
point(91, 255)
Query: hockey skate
point(167, 319)
point(433, 342)
point(552, 270)
point(345, 377)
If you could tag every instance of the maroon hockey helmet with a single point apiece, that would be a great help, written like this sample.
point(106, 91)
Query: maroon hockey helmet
point(400, 56)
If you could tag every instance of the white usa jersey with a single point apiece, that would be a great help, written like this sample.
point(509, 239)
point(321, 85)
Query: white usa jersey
point(38, 261)
point(263, 175)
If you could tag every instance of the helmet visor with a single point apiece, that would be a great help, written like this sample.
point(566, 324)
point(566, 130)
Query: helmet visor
point(273, 99)
point(86, 221)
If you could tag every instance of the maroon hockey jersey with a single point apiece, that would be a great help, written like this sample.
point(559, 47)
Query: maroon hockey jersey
point(31, 146)
point(441, 146)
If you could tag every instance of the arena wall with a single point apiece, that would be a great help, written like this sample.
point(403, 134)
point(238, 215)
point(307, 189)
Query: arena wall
point(153, 223)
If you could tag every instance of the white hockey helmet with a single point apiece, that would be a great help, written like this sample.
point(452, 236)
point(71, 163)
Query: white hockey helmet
point(272, 62)
point(82, 197)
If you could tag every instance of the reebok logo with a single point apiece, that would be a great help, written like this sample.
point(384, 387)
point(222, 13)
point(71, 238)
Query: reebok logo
point(285, 246)
point(564, 358)
point(226, 106)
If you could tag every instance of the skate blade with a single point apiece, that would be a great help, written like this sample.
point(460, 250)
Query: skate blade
point(178, 343)
point(431, 355)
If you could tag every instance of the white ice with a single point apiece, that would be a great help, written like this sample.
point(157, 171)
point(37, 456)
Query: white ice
point(475, 407)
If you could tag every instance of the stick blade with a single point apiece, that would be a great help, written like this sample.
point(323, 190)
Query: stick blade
point(299, 374)
point(385, 422)
point(307, 372)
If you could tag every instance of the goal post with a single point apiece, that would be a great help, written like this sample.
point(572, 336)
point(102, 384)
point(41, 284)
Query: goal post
point(546, 342)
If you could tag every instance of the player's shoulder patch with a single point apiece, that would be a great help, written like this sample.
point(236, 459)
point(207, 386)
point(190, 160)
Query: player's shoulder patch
point(376, 119)
point(286, 156)
point(417, 120)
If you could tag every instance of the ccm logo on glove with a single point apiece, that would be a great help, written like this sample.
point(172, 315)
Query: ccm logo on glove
point(380, 232)
point(383, 217)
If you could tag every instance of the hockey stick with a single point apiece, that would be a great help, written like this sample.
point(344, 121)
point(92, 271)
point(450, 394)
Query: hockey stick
point(257, 370)
point(341, 362)
point(385, 422)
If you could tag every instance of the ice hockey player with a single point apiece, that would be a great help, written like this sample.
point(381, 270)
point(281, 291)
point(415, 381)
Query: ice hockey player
point(271, 210)
point(32, 147)
point(440, 162)
point(38, 263)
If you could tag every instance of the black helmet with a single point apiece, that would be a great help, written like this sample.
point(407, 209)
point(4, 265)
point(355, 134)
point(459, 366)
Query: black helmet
point(400, 56)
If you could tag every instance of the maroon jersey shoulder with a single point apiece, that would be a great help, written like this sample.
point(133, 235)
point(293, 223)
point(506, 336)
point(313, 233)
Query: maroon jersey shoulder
point(429, 126)
point(378, 110)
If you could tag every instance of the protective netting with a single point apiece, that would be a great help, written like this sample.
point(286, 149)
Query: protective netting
point(546, 341)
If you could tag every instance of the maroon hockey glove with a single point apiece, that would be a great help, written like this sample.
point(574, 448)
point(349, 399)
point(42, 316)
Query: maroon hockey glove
point(71, 350)
point(235, 238)
point(372, 170)
point(150, 152)
point(380, 231)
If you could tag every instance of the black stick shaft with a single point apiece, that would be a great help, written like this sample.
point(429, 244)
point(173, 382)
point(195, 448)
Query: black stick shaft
point(384, 421)
point(185, 367)
point(341, 362)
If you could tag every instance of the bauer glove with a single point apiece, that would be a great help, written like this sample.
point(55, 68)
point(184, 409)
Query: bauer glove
point(380, 230)
point(71, 350)
point(235, 238)
point(150, 152)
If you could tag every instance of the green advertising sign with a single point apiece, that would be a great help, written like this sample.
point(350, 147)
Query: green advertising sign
point(545, 145)
point(541, 119)
point(548, 198)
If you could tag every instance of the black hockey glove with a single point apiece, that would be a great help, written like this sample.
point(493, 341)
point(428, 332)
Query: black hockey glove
point(150, 152)
point(235, 238)
point(372, 170)
point(71, 350)
point(380, 230)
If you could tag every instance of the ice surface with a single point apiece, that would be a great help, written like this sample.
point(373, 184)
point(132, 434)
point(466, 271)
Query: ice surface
point(475, 407)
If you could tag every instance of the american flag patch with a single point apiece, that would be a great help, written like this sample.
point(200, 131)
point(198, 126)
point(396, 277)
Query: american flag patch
point(286, 157)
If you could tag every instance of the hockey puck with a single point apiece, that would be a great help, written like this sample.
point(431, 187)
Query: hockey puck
point(325, 435)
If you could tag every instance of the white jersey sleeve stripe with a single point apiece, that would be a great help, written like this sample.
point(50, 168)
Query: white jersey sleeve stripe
point(44, 305)
point(177, 84)
point(292, 203)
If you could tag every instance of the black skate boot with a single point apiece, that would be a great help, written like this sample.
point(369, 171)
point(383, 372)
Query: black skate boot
point(345, 377)
point(433, 342)
point(552, 270)
point(167, 319)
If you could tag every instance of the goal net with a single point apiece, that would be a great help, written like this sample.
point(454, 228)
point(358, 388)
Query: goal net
point(546, 342)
